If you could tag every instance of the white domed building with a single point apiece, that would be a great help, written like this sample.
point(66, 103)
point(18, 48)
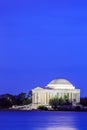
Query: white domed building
point(57, 87)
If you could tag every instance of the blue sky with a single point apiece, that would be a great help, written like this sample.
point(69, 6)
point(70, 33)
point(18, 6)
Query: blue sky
point(41, 41)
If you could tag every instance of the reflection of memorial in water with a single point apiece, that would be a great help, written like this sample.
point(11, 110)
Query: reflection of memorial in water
point(58, 128)
point(61, 128)
point(60, 121)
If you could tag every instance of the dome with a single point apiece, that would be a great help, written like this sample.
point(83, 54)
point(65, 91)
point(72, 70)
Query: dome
point(60, 84)
point(60, 81)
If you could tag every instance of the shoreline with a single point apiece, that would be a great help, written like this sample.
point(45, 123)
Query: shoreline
point(36, 110)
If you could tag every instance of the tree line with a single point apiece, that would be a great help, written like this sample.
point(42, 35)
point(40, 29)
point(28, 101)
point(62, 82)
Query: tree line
point(8, 100)
point(63, 103)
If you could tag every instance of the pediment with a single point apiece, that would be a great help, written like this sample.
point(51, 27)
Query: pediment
point(38, 88)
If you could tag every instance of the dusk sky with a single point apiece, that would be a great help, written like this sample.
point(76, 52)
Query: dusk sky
point(41, 41)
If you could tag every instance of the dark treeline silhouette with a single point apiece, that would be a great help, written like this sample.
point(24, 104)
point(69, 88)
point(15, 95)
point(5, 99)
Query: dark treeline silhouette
point(8, 100)
point(83, 101)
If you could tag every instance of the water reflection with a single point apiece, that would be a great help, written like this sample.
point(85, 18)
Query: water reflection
point(58, 128)
point(43, 121)
point(61, 128)
point(60, 121)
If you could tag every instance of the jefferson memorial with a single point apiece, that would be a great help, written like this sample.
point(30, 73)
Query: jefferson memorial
point(57, 87)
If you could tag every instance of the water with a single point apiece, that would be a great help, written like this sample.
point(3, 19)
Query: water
point(43, 121)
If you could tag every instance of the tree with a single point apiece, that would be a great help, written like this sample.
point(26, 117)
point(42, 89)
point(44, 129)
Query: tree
point(66, 100)
point(23, 99)
point(54, 102)
point(61, 101)
point(6, 100)
point(42, 107)
point(83, 101)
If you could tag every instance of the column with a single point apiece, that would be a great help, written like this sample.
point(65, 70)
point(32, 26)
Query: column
point(33, 98)
point(45, 98)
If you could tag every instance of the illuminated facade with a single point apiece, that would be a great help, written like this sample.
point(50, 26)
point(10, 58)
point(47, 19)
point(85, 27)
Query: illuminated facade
point(57, 87)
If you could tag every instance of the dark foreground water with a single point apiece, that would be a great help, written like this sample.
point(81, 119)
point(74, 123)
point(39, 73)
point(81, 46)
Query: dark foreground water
point(43, 121)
